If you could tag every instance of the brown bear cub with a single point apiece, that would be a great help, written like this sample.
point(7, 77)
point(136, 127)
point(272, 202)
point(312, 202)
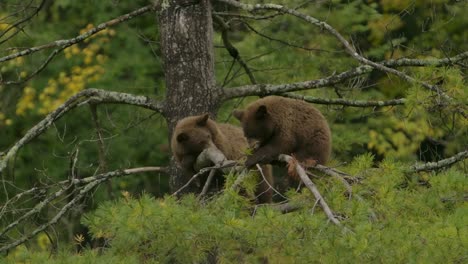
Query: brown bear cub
point(285, 126)
point(193, 134)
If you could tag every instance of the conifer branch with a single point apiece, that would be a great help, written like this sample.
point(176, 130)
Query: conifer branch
point(95, 96)
point(430, 166)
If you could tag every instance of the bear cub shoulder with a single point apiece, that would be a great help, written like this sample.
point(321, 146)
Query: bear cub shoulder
point(285, 126)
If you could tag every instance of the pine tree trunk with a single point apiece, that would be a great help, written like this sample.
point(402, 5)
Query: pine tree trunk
point(187, 46)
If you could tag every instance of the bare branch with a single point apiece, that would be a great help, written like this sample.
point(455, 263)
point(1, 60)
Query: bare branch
point(305, 179)
point(37, 71)
point(211, 155)
point(207, 183)
point(19, 22)
point(348, 47)
point(68, 42)
point(90, 182)
point(282, 41)
point(232, 50)
point(270, 89)
point(439, 164)
point(260, 170)
point(89, 95)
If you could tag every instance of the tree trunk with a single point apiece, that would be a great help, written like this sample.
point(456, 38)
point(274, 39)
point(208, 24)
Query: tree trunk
point(187, 46)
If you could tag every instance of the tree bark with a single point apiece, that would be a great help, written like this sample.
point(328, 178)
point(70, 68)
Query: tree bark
point(187, 48)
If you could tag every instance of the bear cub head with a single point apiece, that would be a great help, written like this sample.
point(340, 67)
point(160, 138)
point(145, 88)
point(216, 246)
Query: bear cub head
point(191, 136)
point(256, 123)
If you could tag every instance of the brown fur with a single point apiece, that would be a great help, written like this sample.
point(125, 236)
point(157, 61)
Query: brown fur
point(285, 126)
point(193, 134)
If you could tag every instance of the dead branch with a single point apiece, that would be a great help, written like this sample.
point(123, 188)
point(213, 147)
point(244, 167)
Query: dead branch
point(211, 155)
point(231, 49)
point(100, 145)
point(260, 170)
point(439, 164)
point(207, 183)
point(90, 183)
point(348, 47)
point(18, 23)
point(69, 42)
point(89, 95)
point(311, 186)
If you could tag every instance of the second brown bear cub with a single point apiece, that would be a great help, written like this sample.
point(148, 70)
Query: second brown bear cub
point(285, 126)
point(194, 134)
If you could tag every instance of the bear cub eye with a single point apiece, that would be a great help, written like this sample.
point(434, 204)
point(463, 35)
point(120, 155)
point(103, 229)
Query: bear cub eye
point(182, 137)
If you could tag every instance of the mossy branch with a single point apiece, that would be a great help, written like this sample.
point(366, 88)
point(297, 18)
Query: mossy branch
point(430, 166)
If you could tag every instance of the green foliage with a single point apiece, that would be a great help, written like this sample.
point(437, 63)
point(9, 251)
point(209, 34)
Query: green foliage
point(394, 217)
point(391, 218)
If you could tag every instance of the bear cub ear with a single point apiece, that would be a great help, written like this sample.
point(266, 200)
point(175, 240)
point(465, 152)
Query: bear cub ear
point(238, 114)
point(261, 112)
point(203, 119)
point(182, 137)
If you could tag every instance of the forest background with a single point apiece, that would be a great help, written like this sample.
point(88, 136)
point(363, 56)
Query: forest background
point(386, 128)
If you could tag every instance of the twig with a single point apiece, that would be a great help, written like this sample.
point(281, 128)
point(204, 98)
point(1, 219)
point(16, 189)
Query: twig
point(21, 21)
point(311, 186)
point(196, 175)
point(269, 185)
point(207, 183)
point(79, 38)
point(232, 50)
point(55, 219)
point(37, 71)
point(348, 47)
point(36, 209)
point(91, 182)
point(336, 173)
point(100, 145)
